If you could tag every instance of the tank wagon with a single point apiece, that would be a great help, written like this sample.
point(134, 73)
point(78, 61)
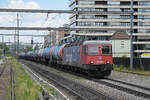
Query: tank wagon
point(46, 54)
point(56, 53)
point(93, 57)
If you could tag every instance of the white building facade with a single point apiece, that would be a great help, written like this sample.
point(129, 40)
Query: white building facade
point(120, 44)
point(141, 25)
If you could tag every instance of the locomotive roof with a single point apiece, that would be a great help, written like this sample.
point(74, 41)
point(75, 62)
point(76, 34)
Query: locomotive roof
point(96, 42)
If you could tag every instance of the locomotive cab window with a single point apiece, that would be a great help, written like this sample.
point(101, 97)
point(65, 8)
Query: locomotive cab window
point(106, 50)
point(92, 50)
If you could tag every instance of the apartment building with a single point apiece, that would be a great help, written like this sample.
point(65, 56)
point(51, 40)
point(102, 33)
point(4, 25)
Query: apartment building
point(54, 37)
point(141, 22)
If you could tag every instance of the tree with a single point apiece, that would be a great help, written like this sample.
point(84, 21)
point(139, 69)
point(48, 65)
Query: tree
point(36, 47)
point(29, 48)
point(3, 48)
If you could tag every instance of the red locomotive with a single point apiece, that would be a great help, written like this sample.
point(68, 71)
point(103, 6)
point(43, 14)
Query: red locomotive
point(97, 57)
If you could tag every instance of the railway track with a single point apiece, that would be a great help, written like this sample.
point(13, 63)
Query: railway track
point(133, 85)
point(2, 89)
point(140, 74)
point(81, 92)
point(128, 90)
point(2, 70)
point(12, 84)
point(136, 90)
point(113, 83)
point(7, 71)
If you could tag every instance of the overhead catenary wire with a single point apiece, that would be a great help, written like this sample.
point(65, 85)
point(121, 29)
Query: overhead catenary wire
point(23, 35)
point(59, 28)
point(60, 11)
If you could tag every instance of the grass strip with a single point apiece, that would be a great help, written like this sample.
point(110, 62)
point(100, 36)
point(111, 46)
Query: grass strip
point(128, 69)
point(25, 87)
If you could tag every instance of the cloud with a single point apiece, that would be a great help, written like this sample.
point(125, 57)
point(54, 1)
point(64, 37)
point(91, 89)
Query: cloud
point(21, 4)
point(8, 19)
point(31, 19)
point(28, 19)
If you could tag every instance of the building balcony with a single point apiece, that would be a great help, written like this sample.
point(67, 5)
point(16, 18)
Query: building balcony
point(110, 6)
point(96, 34)
point(141, 51)
point(111, 20)
point(110, 34)
point(137, 42)
point(105, 27)
point(114, 27)
point(142, 13)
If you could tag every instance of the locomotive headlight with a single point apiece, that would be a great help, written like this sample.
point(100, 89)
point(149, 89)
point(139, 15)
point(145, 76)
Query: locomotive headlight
point(107, 62)
point(92, 62)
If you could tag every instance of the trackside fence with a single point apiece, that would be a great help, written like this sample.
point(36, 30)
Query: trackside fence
point(137, 62)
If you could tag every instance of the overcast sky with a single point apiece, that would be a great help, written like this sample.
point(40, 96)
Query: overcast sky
point(37, 20)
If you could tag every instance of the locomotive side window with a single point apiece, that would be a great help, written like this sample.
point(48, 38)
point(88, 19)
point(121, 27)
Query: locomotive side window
point(106, 50)
point(92, 50)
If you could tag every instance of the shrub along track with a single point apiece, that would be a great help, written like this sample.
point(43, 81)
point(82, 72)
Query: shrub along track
point(81, 92)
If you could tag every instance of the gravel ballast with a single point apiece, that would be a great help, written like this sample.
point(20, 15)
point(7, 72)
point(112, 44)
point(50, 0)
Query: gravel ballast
point(131, 78)
point(115, 93)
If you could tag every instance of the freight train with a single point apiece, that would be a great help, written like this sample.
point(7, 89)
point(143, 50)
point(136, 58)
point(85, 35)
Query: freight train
point(92, 57)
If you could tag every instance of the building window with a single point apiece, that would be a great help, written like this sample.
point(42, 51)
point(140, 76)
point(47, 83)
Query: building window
point(125, 16)
point(125, 10)
point(143, 10)
point(100, 2)
point(144, 3)
point(101, 9)
point(100, 23)
point(100, 16)
point(113, 2)
point(125, 23)
point(125, 3)
point(122, 44)
point(143, 17)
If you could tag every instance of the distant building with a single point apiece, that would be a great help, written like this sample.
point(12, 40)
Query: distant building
point(47, 40)
point(120, 44)
point(54, 37)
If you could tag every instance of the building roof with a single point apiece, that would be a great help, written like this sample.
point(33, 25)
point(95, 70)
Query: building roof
point(120, 36)
point(96, 42)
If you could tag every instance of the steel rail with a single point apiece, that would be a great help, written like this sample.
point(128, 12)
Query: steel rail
point(12, 84)
point(2, 70)
point(129, 84)
point(125, 89)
